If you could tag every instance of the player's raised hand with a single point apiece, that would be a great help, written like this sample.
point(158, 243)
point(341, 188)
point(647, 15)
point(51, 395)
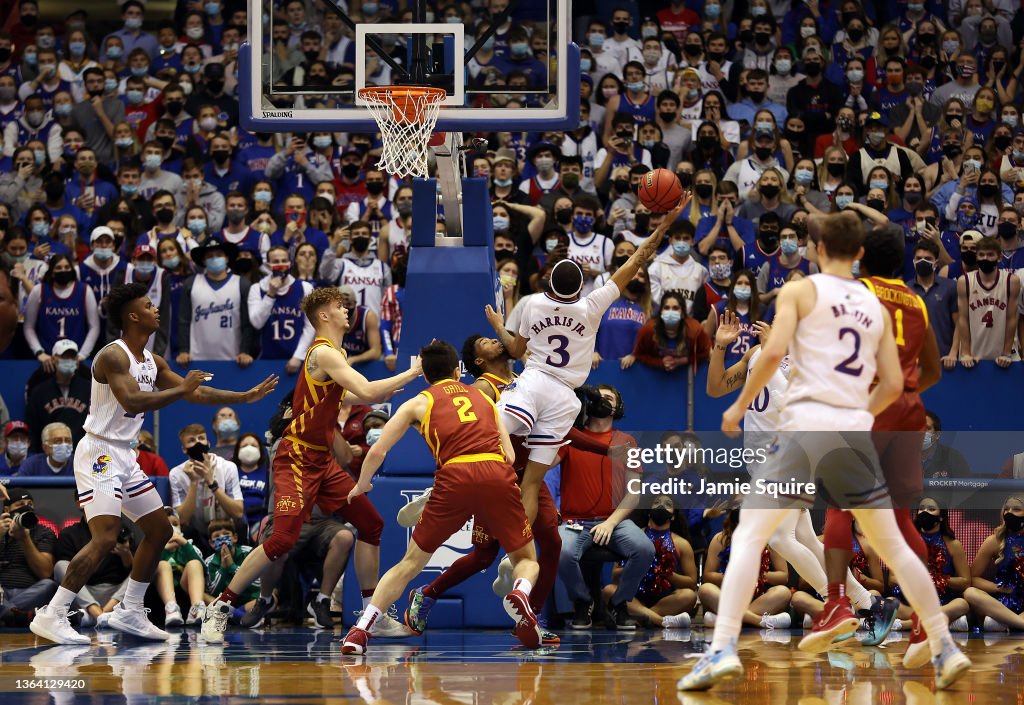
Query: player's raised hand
point(193, 379)
point(495, 318)
point(762, 329)
point(262, 389)
point(728, 328)
point(684, 201)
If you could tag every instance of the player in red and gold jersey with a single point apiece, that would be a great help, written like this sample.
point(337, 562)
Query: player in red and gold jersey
point(898, 431)
point(474, 477)
point(304, 475)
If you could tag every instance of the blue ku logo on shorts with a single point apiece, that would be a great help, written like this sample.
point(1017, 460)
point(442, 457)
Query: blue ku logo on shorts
point(101, 465)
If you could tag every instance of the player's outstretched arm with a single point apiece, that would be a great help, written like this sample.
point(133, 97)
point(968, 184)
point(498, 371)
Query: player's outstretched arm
point(331, 362)
point(890, 374)
point(645, 253)
point(721, 381)
point(514, 344)
point(113, 368)
point(408, 413)
point(167, 379)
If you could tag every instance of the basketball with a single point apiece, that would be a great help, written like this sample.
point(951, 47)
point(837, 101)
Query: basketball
point(660, 190)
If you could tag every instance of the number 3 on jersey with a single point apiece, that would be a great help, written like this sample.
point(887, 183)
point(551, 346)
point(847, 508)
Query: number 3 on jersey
point(464, 408)
point(561, 350)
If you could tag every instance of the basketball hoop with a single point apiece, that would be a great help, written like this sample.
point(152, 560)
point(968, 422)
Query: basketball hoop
point(406, 116)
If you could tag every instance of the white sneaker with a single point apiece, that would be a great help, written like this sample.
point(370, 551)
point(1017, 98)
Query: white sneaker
point(215, 622)
point(103, 621)
point(502, 585)
point(709, 619)
point(387, 627)
point(172, 616)
point(959, 625)
point(676, 621)
point(782, 620)
point(52, 623)
point(897, 626)
point(990, 625)
point(136, 622)
point(410, 513)
point(195, 614)
point(808, 622)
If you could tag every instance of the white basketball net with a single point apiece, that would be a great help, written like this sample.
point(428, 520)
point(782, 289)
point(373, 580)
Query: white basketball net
point(406, 118)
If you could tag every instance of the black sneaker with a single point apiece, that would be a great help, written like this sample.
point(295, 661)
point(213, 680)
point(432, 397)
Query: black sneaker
point(582, 617)
point(320, 611)
point(253, 619)
point(619, 618)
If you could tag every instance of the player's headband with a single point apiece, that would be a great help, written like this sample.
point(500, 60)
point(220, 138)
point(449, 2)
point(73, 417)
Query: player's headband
point(562, 283)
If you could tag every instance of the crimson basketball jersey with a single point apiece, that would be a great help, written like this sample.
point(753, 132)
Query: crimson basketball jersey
point(461, 424)
point(909, 323)
point(315, 406)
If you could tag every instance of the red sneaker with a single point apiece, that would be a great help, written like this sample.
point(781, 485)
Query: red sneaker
point(919, 653)
point(355, 641)
point(836, 620)
point(517, 606)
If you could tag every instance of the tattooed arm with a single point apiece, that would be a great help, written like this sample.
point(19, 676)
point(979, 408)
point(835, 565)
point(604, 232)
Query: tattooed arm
point(645, 253)
point(722, 381)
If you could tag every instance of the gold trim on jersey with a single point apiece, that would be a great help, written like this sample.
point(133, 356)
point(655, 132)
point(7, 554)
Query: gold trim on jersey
point(315, 383)
point(300, 442)
point(489, 377)
point(476, 458)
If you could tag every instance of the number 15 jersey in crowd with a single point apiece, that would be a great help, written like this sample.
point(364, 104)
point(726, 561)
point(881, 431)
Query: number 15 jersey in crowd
point(562, 334)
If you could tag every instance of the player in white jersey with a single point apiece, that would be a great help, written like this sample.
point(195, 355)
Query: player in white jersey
point(840, 339)
point(559, 330)
point(127, 381)
point(795, 539)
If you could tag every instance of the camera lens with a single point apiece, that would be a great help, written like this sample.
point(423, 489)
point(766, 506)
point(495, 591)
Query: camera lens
point(26, 519)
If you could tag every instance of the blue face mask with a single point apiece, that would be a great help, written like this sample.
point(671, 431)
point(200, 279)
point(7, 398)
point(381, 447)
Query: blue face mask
point(583, 223)
point(171, 262)
point(880, 184)
point(550, 244)
point(152, 162)
point(217, 265)
point(40, 229)
point(62, 110)
point(500, 224)
point(596, 40)
point(133, 23)
point(742, 293)
point(103, 253)
point(489, 44)
point(671, 318)
point(212, 8)
point(789, 247)
point(586, 65)
point(134, 97)
point(129, 189)
point(843, 201)
point(40, 156)
point(196, 226)
point(803, 177)
point(504, 183)
point(115, 52)
point(227, 426)
point(124, 142)
point(519, 48)
point(764, 126)
point(1010, 120)
point(109, 85)
point(139, 70)
point(712, 12)
point(145, 268)
point(76, 48)
point(221, 541)
point(263, 197)
point(62, 453)
point(373, 435)
point(681, 248)
point(635, 86)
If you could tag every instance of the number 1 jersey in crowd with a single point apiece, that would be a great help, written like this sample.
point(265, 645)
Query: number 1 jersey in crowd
point(562, 334)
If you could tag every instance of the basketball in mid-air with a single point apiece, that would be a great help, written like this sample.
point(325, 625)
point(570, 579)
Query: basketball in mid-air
point(660, 190)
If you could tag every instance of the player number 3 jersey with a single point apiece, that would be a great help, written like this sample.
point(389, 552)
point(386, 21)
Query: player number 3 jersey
point(562, 335)
point(107, 418)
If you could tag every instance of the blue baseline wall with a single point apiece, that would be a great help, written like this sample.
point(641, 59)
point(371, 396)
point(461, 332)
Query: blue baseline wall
point(983, 399)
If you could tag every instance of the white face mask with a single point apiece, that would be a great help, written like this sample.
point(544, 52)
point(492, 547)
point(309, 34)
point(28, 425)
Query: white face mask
point(250, 455)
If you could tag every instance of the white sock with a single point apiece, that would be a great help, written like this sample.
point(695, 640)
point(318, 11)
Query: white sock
point(322, 596)
point(368, 617)
point(170, 606)
point(523, 585)
point(366, 602)
point(748, 541)
point(881, 530)
point(858, 594)
point(135, 594)
point(62, 599)
point(788, 543)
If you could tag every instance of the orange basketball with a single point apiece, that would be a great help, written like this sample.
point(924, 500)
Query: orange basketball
point(660, 190)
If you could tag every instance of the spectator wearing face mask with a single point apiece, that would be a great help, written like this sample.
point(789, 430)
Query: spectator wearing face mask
point(940, 298)
point(372, 426)
point(60, 307)
point(251, 458)
point(225, 429)
point(987, 303)
point(362, 341)
point(97, 115)
point(672, 339)
point(275, 311)
point(60, 397)
point(16, 447)
point(56, 458)
point(937, 459)
point(204, 487)
point(675, 270)
point(358, 268)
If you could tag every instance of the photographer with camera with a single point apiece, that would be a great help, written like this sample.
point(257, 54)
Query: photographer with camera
point(106, 586)
point(26, 560)
point(205, 487)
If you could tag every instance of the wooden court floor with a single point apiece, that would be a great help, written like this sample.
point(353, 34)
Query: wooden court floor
point(485, 668)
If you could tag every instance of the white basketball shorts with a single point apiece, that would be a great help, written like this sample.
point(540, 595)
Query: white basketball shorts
point(110, 481)
point(541, 408)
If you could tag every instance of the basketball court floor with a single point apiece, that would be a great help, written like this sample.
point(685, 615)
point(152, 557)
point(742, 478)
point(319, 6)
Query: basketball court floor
point(485, 667)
